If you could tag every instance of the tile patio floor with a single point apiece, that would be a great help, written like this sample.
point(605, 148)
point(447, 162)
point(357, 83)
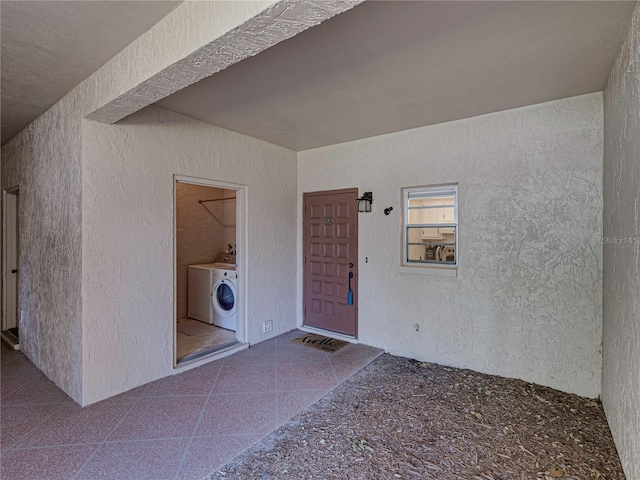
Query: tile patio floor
point(181, 427)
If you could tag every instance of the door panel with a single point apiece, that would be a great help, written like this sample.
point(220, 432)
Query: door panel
point(330, 246)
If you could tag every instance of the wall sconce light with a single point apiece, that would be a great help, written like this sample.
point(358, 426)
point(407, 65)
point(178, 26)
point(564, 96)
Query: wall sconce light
point(365, 201)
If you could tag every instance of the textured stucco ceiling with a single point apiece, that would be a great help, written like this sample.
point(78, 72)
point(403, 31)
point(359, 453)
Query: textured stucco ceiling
point(389, 66)
point(49, 47)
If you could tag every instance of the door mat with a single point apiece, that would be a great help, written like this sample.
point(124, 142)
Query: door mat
point(194, 327)
point(321, 343)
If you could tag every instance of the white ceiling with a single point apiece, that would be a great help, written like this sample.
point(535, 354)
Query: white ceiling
point(389, 66)
point(49, 47)
point(378, 68)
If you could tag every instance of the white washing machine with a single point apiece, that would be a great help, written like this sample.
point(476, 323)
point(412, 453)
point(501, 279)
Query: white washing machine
point(212, 294)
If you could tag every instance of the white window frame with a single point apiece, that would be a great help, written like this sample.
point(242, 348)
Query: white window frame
point(424, 266)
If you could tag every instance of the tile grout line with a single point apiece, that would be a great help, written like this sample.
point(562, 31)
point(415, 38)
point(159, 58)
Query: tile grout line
point(25, 435)
point(98, 443)
point(99, 447)
point(334, 372)
point(17, 389)
point(43, 404)
point(58, 406)
point(277, 390)
point(187, 440)
point(197, 425)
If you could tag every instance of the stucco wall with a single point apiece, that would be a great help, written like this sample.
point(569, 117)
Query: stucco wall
point(526, 302)
point(621, 309)
point(127, 226)
point(202, 231)
point(196, 40)
point(193, 41)
point(44, 161)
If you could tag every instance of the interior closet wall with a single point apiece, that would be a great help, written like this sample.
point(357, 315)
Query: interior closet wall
point(202, 230)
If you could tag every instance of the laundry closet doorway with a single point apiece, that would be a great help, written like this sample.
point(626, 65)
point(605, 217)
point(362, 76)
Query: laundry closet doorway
point(209, 297)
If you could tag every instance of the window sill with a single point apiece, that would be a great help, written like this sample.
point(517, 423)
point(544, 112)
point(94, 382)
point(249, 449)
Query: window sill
point(441, 271)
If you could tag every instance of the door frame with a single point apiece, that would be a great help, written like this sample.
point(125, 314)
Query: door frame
point(15, 190)
point(311, 329)
point(242, 330)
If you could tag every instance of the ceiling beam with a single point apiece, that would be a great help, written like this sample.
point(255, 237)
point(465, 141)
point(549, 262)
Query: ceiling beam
point(195, 41)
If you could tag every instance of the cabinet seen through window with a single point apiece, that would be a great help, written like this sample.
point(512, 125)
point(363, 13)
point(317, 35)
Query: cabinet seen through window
point(430, 225)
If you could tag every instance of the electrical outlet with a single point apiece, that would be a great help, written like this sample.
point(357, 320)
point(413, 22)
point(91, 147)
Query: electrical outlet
point(267, 326)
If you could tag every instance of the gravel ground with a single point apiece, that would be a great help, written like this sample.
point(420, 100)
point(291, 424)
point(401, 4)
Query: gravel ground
point(399, 418)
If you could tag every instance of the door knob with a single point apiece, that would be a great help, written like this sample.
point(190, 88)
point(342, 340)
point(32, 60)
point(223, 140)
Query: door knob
point(14, 271)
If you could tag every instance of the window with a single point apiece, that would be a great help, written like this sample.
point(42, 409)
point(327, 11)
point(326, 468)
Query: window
point(430, 229)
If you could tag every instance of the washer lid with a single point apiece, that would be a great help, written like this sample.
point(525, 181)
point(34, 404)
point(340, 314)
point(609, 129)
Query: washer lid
point(225, 266)
point(205, 266)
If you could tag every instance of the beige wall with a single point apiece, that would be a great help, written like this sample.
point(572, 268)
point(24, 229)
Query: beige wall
point(44, 160)
point(202, 231)
point(193, 41)
point(621, 293)
point(128, 317)
point(527, 299)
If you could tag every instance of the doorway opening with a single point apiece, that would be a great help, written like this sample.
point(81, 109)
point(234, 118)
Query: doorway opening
point(209, 298)
point(10, 331)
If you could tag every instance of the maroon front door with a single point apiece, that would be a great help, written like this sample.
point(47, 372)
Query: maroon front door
point(330, 253)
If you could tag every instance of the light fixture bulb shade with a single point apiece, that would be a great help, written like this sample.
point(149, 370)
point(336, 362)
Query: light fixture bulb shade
point(365, 201)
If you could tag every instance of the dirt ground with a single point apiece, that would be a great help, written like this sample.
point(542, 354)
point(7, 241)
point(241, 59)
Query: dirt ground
point(402, 419)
